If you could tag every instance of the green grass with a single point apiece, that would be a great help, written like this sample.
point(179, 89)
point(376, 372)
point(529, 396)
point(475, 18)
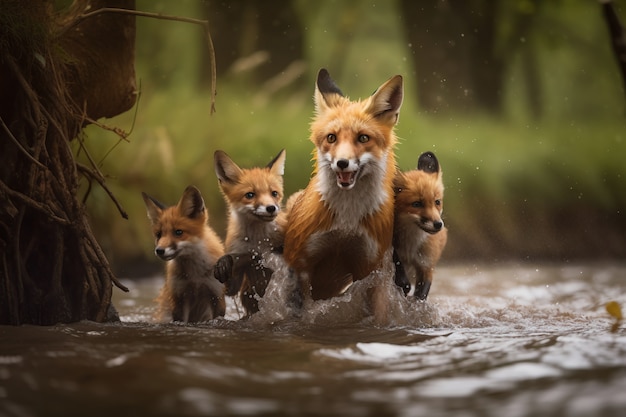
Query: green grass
point(511, 182)
point(495, 171)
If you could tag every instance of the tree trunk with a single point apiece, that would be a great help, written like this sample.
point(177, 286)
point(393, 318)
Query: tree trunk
point(618, 37)
point(56, 74)
point(270, 29)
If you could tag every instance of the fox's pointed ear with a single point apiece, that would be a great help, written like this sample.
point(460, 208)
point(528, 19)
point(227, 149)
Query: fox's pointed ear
point(327, 94)
point(191, 203)
point(225, 169)
point(277, 165)
point(153, 206)
point(386, 101)
point(428, 162)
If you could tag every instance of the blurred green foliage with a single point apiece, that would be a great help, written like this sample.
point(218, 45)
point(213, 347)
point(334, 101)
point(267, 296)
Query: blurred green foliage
point(516, 185)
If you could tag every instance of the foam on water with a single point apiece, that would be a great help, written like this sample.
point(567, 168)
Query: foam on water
point(352, 307)
point(505, 340)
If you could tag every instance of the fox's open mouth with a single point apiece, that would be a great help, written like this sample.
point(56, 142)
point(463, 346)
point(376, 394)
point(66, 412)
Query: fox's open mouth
point(346, 179)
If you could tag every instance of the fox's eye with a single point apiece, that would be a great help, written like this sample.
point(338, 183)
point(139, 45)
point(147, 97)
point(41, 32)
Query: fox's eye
point(437, 202)
point(417, 204)
point(275, 194)
point(331, 138)
point(178, 232)
point(158, 234)
point(363, 138)
point(249, 195)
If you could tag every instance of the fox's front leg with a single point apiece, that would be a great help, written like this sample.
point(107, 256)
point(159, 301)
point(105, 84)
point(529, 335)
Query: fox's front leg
point(223, 268)
point(424, 277)
point(229, 270)
point(400, 276)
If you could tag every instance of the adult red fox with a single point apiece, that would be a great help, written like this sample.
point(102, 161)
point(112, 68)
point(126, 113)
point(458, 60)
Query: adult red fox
point(190, 247)
point(419, 235)
point(255, 230)
point(341, 225)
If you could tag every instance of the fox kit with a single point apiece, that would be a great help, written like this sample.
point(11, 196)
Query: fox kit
point(341, 225)
point(419, 235)
point(255, 230)
point(190, 247)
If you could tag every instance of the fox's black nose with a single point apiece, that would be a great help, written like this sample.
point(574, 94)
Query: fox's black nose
point(270, 209)
point(159, 251)
point(343, 163)
point(437, 225)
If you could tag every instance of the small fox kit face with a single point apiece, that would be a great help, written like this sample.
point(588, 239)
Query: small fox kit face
point(419, 194)
point(178, 227)
point(352, 138)
point(255, 192)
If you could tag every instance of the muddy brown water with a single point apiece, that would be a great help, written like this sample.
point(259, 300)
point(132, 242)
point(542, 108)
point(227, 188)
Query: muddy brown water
point(508, 340)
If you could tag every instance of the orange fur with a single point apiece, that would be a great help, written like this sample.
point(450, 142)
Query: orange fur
point(255, 225)
point(190, 247)
point(341, 225)
point(419, 233)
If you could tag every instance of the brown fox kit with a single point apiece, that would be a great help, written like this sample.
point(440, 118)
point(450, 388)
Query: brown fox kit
point(419, 235)
point(255, 226)
point(341, 225)
point(190, 247)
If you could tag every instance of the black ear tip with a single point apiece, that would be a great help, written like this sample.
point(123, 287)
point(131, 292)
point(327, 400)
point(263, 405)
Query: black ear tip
point(192, 189)
point(192, 195)
point(326, 84)
point(195, 193)
point(323, 73)
point(218, 154)
point(428, 162)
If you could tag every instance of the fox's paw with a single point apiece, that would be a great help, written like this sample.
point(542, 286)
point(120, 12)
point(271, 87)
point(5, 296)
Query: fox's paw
point(421, 289)
point(402, 281)
point(223, 269)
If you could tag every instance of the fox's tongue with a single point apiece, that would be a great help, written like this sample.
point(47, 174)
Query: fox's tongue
point(345, 178)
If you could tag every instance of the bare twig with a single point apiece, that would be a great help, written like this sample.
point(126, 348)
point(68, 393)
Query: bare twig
point(34, 204)
point(118, 131)
point(19, 145)
point(96, 175)
point(101, 256)
point(203, 23)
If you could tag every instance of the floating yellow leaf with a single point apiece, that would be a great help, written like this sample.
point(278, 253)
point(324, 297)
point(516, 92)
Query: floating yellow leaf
point(614, 309)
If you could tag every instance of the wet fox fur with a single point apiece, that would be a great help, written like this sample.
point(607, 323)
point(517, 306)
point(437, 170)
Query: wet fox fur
point(255, 228)
point(419, 235)
point(341, 225)
point(190, 248)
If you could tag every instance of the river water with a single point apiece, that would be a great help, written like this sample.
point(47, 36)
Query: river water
point(506, 340)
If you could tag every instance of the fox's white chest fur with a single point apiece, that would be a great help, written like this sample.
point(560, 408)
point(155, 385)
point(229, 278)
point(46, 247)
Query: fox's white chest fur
point(255, 237)
point(194, 266)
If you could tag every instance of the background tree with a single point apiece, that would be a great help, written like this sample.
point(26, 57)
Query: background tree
point(265, 40)
point(461, 50)
point(58, 73)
